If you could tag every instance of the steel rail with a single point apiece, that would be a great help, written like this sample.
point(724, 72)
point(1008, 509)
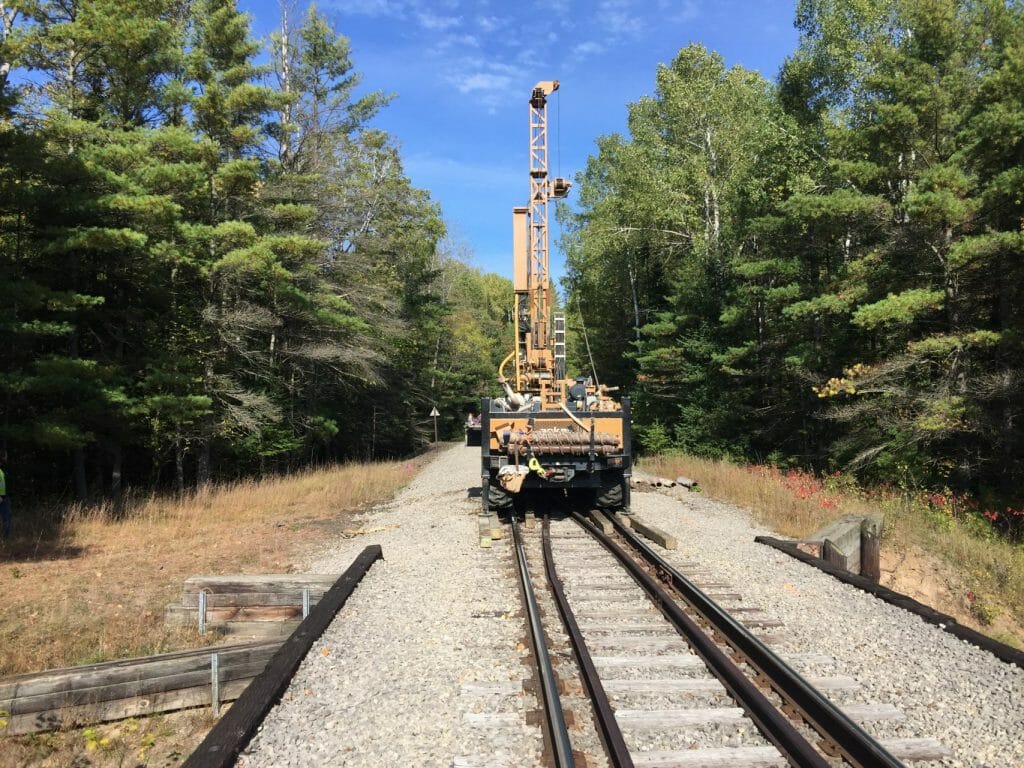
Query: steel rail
point(772, 724)
point(855, 745)
point(557, 732)
point(611, 734)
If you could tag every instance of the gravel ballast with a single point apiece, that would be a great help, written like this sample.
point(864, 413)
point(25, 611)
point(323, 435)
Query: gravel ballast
point(384, 686)
point(391, 681)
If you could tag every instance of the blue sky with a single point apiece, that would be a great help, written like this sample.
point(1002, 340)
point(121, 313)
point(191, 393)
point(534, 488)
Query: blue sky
point(462, 73)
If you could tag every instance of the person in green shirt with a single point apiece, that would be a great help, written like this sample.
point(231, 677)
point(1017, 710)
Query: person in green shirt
point(5, 498)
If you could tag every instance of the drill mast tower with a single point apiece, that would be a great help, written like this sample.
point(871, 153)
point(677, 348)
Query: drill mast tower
point(537, 367)
point(550, 435)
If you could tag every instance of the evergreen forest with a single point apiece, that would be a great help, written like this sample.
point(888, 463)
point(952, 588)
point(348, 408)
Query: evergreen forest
point(211, 264)
point(825, 270)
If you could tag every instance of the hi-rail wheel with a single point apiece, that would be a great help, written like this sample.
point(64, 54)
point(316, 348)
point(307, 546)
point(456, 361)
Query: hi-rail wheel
point(498, 499)
point(613, 495)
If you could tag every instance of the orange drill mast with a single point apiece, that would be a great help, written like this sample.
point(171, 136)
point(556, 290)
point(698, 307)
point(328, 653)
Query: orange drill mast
point(537, 367)
point(548, 436)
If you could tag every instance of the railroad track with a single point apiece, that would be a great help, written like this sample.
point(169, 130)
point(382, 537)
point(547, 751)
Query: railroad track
point(669, 677)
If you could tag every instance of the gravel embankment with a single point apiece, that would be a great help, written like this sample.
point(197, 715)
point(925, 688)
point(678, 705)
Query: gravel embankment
point(402, 677)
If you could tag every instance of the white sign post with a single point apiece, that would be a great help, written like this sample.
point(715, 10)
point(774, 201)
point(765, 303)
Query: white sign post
point(435, 414)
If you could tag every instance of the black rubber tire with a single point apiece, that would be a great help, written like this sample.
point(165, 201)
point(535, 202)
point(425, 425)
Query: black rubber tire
point(611, 495)
point(498, 499)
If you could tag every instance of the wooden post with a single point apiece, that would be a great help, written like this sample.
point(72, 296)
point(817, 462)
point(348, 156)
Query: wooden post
point(833, 555)
point(870, 555)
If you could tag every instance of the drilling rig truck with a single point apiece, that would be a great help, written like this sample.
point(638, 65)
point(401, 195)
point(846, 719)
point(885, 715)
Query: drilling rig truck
point(554, 438)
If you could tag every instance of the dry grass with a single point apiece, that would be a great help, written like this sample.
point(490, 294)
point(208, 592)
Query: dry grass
point(773, 502)
point(988, 568)
point(161, 740)
point(991, 567)
point(95, 587)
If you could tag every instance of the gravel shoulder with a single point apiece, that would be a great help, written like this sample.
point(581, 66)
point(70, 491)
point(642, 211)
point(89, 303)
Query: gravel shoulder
point(385, 685)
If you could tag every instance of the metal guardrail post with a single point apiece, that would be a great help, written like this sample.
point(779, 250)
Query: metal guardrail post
point(215, 683)
point(202, 613)
point(305, 602)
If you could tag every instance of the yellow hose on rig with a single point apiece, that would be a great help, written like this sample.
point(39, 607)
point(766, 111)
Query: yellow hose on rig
point(501, 368)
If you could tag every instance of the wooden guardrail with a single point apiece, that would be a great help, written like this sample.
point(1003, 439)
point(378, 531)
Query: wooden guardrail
point(113, 690)
point(260, 606)
point(60, 698)
point(232, 733)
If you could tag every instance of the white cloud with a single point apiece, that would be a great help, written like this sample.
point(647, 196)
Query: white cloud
point(586, 49)
point(437, 23)
point(457, 41)
point(488, 24)
point(618, 17)
point(490, 82)
point(481, 81)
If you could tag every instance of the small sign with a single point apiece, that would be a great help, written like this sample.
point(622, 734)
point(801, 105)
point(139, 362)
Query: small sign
point(434, 412)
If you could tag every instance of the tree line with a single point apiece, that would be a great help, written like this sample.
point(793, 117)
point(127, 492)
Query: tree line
point(213, 266)
point(827, 269)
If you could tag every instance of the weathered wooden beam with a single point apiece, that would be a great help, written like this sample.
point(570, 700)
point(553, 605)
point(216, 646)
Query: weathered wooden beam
point(253, 630)
point(127, 670)
point(697, 685)
point(502, 688)
point(678, 718)
point(127, 687)
point(135, 706)
point(653, 533)
point(712, 757)
point(260, 582)
point(149, 686)
point(870, 552)
point(602, 522)
point(243, 599)
point(225, 613)
point(916, 749)
point(637, 642)
point(834, 556)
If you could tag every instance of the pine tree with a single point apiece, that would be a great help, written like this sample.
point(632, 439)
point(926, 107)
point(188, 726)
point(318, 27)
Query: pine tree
point(896, 143)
